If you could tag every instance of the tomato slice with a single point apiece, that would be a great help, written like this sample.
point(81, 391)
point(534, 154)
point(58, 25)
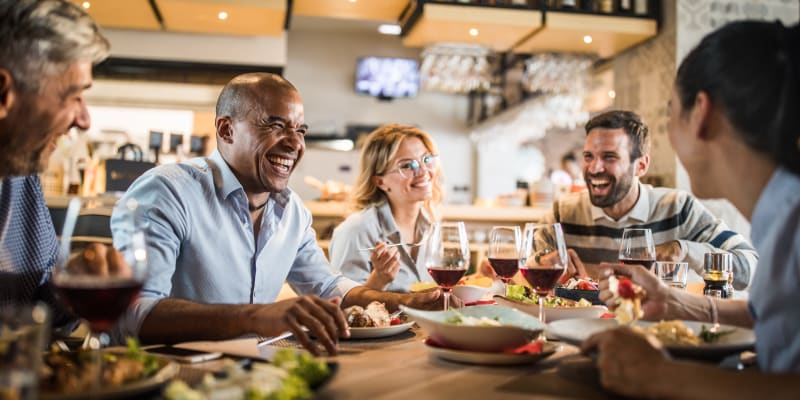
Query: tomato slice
point(625, 289)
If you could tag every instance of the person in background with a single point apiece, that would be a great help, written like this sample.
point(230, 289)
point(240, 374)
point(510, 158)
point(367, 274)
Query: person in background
point(224, 232)
point(615, 156)
point(47, 49)
point(396, 194)
point(735, 127)
point(570, 164)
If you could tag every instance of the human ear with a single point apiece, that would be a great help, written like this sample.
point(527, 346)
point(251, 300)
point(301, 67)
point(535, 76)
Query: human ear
point(224, 129)
point(378, 181)
point(641, 165)
point(699, 119)
point(7, 95)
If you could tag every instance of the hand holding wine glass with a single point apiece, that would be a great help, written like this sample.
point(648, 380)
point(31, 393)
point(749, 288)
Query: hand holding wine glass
point(637, 247)
point(504, 251)
point(447, 255)
point(546, 259)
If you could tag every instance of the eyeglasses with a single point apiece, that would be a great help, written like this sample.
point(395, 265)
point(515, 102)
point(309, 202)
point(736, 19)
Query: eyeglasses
point(412, 168)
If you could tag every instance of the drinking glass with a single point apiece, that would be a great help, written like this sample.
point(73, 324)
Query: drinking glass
point(100, 295)
point(505, 243)
point(637, 247)
point(545, 254)
point(447, 255)
point(23, 336)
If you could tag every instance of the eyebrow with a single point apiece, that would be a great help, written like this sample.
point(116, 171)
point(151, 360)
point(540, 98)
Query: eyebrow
point(72, 89)
point(272, 118)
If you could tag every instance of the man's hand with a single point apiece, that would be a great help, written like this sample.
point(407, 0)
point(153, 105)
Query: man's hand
point(485, 269)
point(657, 293)
point(670, 251)
point(323, 319)
point(99, 259)
point(428, 300)
point(385, 264)
point(575, 267)
point(629, 363)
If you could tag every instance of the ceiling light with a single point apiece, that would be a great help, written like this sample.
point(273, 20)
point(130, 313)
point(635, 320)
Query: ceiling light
point(86, 4)
point(612, 94)
point(222, 15)
point(389, 29)
point(352, 1)
point(587, 39)
point(473, 31)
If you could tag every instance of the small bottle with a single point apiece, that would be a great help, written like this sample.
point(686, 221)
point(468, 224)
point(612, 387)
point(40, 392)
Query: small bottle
point(625, 6)
point(569, 4)
point(606, 6)
point(640, 7)
point(716, 273)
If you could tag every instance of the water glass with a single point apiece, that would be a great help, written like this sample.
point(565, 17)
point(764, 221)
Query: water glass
point(673, 273)
point(24, 332)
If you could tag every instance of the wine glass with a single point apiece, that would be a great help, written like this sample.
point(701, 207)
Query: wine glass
point(96, 288)
point(545, 255)
point(447, 255)
point(637, 247)
point(505, 243)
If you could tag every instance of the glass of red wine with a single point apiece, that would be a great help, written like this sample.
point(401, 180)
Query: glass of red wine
point(545, 255)
point(96, 287)
point(505, 244)
point(447, 255)
point(637, 247)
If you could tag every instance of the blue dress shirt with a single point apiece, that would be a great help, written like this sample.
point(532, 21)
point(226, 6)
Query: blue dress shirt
point(201, 245)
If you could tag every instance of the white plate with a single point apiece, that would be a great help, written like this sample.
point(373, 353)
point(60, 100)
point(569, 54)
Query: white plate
point(553, 313)
point(477, 357)
point(575, 331)
point(372, 333)
point(167, 371)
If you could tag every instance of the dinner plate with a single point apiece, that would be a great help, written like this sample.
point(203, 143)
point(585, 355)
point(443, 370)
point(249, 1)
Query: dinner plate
point(167, 371)
point(485, 358)
point(373, 333)
point(553, 313)
point(575, 331)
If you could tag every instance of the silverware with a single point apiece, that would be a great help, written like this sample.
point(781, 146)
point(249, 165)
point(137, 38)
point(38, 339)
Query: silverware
point(262, 341)
point(394, 245)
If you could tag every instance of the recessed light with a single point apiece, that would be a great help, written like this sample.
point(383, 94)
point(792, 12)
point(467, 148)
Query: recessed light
point(352, 1)
point(389, 29)
point(86, 4)
point(222, 15)
point(473, 31)
point(612, 94)
point(587, 39)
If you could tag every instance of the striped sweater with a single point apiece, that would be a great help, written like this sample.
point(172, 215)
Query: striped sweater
point(670, 214)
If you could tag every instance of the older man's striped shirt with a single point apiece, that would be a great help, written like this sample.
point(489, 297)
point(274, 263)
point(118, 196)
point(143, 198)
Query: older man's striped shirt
point(670, 215)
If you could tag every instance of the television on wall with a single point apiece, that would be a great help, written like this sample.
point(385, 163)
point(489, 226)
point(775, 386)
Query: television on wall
point(387, 77)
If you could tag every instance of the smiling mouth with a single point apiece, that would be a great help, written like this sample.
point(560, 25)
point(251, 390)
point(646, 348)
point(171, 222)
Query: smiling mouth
point(284, 164)
point(599, 184)
point(421, 185)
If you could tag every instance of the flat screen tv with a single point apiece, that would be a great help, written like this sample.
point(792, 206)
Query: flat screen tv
point(387, 77)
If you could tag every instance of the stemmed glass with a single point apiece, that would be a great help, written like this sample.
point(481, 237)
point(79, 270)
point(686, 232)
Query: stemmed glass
point(545, 255)
point(505, 244)
point(447, 255)
point(96, 288)
point(637, 247)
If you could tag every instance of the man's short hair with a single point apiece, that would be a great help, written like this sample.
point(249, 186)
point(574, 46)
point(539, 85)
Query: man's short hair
point(631, 123)
point(39, 38)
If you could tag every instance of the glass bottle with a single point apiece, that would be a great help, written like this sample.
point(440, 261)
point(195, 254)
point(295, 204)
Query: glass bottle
point(716, 273)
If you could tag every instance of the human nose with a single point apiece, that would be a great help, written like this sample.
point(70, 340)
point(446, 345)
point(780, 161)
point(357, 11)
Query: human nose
point(595, 166)
point(82, 118)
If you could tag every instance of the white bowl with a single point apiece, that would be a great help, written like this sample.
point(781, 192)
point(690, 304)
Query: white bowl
point(470, 293)
point(553, 313)
point(517, 328)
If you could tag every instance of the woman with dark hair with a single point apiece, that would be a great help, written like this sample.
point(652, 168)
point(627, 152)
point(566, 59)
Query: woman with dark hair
point(396, 194)
point(734, 125)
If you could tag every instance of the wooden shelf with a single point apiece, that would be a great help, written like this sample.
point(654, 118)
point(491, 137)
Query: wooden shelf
point(565, 32)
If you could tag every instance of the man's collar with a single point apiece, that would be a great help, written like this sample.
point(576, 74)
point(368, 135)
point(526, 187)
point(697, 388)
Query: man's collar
point(639, 212)
point(229, 183)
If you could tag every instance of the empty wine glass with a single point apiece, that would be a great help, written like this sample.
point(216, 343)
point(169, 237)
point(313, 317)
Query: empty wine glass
point(505, 243)
point(545, 255)
point(637, 247)
point(447, 255)
point(96, 287)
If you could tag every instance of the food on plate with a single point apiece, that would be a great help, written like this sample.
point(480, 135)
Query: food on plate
point(527, 295)
point(675, 333)
point(628, 297)
point(466, 320)
point(477, 280)
point(68, 371)
point(290, 376)
point(576, 283)
point(423, 286)
point(374, 316)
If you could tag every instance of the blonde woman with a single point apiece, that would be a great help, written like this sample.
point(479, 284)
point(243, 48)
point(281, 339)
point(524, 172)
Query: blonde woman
point(396, 193)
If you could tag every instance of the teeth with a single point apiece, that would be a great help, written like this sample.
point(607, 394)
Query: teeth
point(421, 184)
point(282, 161)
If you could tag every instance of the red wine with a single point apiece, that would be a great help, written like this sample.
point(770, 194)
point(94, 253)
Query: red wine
point(446, 277)
point(542, 279)
point(505, 268)
point(647, 263)
point(99, 302)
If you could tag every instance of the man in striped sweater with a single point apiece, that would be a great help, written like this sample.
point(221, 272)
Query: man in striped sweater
point(615, 155)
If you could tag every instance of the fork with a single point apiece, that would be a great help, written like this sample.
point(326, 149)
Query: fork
point(419, 243)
